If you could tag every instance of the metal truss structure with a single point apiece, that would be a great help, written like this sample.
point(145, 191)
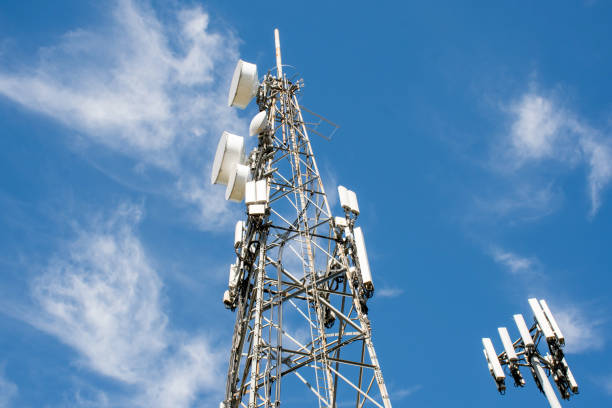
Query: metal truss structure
point(302, 335)
point(525, 352)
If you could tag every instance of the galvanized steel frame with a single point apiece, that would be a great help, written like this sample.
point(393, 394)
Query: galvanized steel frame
point(322, 286)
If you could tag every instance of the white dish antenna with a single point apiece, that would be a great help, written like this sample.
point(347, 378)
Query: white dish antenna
point(244, 84)
point(230, 153)
point(258, 123)
point(237, 182)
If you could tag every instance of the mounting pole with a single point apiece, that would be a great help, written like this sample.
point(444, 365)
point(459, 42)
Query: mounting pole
point(525, 352)
point(279, 65)
point(548, 389)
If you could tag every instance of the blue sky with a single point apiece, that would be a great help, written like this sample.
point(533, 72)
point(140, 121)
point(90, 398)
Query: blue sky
point(477, 137)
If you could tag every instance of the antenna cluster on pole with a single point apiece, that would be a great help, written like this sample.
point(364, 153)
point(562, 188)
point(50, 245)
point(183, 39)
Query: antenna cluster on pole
point(301, 279)
point(525, 352)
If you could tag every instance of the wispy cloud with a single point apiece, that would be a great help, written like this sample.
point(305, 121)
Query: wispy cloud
point(543, 130)
point(579, 323)
point(514, 263)
point(405, 392)
point(8, 391)
point(103, 298)
point(389, 292)
point(153, 90)
point(581, 329)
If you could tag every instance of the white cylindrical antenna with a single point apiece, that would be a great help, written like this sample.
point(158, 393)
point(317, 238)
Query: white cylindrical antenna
point(507, 342)
point(279, 66)
point(546, 387)
point(552, 321)
point(524, 331)
point(548, 332)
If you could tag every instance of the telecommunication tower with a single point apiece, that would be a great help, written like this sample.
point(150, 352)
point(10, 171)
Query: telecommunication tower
point(525, 352)
point(301, 281)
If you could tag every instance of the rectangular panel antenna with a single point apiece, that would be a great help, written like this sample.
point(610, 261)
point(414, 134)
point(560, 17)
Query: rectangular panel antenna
point(548, 332)
point(498, 372)
point(362, 255)
point(507, 342)
point(570, 377)
point(552, 321)
point(524, 331)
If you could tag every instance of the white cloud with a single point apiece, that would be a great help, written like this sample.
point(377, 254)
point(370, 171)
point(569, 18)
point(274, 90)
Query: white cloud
point(522, 200)
point(581, 329)
point(536, 127)
point(580, 326)
point(513, 262)
point(542, 130)
point(153, 90)
point(599, 155)
point(103, 298)
point(405, 392)
point(389, 292)
point(8, 391)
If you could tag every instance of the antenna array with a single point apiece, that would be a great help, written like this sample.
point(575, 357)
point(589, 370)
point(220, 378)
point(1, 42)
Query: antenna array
point(525, 352)
point(301, 280)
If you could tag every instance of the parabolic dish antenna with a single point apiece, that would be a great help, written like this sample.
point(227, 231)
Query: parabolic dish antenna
point(258, 123)
point(237, 182)
point(244, 84)
point(230, 152)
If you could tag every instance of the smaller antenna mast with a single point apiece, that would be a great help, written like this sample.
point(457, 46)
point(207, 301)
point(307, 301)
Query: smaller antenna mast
point(524, 352)
point(279, 66)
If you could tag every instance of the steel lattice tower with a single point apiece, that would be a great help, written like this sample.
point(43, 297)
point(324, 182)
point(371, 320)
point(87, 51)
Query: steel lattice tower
point(302, 336)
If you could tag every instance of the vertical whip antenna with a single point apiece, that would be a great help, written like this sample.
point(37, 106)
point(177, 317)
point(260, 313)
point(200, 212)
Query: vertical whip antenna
point(279, 65)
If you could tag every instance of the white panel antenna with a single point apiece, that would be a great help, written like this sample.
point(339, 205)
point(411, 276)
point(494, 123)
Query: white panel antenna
point(238, 234)
point(230, 153)
point(362, 255)
point(348, 200)
point(491, 355)
point(244, 84)
point(233, 276)
point(508, 346)
point(543, 323)
point(354, 205)
point(552, 321)
point(524, 331)
point(344, 198)
point(570, 377)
